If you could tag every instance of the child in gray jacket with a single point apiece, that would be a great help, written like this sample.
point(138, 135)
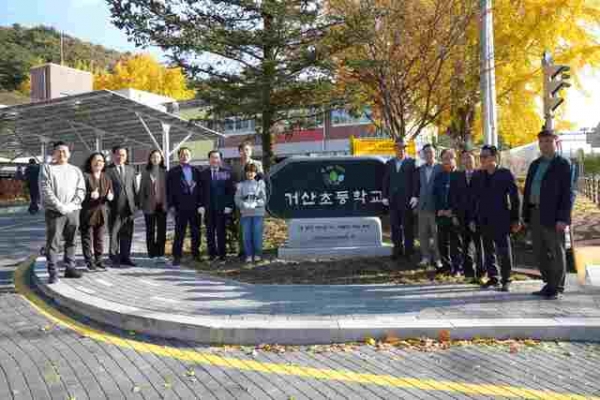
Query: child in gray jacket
point(250, 198)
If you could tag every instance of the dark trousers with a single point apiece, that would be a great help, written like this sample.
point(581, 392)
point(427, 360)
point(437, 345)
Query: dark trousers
point(183, 218)
point(92, 237)
point(34, 198)
point(120, 230)
point(402, 221)
point(60, 228)
point(550, 253)
point(449, 245)
point(215, 233)
point(472, 253)
point(156, 233)
point(497, 245)
point(235, 229)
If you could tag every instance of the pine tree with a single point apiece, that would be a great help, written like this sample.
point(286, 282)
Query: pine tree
point(250, 58)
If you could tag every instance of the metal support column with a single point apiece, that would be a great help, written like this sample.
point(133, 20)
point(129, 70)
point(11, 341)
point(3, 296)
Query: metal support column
point(98, 143)
point(166, 144)
point(43, 144)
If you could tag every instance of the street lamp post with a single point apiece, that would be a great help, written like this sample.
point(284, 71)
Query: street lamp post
point(488, 75)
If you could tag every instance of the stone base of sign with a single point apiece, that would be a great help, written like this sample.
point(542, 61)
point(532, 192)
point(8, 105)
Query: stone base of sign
point(289, 253)
point(333, 238)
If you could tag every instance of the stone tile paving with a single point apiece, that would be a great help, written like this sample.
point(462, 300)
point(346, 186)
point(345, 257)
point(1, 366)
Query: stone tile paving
point(181, 291)
point(40, 360)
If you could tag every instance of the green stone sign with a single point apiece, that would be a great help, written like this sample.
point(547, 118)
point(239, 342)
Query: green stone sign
point(308, 187)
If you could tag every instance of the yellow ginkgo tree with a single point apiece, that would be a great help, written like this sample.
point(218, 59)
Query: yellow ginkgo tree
point(143, 72)
point(419, 67)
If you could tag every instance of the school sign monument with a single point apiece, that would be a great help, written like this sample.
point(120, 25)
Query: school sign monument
point(332, 206)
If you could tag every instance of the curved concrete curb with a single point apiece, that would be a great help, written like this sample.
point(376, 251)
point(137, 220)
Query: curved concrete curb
point(14, 209)
point(292, 330)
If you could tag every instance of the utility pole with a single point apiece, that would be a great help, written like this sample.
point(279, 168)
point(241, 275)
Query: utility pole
point(488, 75)
point(556, 78)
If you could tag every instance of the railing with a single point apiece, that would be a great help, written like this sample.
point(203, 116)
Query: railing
point(590, 187)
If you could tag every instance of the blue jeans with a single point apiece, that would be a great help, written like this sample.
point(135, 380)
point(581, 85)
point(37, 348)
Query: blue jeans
point(252, 229)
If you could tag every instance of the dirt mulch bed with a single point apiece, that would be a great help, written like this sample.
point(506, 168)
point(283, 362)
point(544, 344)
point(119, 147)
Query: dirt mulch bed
point(374, 270)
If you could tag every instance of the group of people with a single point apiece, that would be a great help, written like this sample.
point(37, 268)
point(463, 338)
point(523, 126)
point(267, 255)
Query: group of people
point(466, 217)
point(107, 197)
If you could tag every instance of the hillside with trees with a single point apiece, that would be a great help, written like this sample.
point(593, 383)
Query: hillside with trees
point(24, 47)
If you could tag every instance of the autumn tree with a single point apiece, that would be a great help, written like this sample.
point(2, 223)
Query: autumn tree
point(400, 61)
point(143, 72)
point(252, 59)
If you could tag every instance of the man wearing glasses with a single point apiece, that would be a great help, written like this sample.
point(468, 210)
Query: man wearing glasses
point(497, 214)
point(547, 203)
point(400, 191)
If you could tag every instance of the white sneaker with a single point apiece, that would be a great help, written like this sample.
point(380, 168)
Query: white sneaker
point(257, 258)
point(248, 260)
point(424, 262)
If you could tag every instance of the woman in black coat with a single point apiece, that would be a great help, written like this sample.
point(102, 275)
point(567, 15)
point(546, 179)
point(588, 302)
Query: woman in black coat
point(92, 218)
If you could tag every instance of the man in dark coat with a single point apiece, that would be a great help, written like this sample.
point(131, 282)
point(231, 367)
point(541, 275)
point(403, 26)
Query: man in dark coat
point(184, 196)
point(122, 208)
point(400, 191)
point(462, 202)
point(547, 204)
point(497, 210)
point(218, 191)
point(448, 233)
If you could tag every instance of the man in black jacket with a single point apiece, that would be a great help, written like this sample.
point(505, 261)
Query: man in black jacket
point(547, 203)
point(462, 201)
point(217, 204)
point(497, 210)
point(122, 208)
point(184, 191)
point(400, 191)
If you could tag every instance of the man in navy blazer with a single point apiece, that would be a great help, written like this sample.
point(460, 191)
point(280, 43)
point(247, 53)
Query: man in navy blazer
point(217, 204)
point(497, 213)
point(184, 191)
point(400, 191)
point(547, 204)
point(462, 202)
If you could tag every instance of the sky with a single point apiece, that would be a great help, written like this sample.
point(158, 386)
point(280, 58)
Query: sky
point(89, 20)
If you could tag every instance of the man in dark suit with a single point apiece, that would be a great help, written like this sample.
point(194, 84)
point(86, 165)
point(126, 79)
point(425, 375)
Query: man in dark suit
point(497, 210)
point(122, 208)
point(462, 202)
point(547, 204)
point(32, 174)
point(400, 188)
point(184, 195)
point(218, 191)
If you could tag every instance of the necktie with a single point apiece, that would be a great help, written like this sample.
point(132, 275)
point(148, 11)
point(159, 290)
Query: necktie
point(214, 174)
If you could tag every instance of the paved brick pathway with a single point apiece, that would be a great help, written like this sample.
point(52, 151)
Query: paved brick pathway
point(41, 360)
point(586, 224)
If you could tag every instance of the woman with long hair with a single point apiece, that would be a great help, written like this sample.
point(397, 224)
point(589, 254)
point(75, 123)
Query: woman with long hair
point(153, 201)
point(93, 218)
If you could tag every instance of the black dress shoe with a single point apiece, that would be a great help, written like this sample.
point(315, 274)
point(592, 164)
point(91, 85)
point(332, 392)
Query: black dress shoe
point(505, 287)
point(72, 273)
point(100, 265)
point(176, 262)
point(53, 279)
point(91, 266)
point(551, 295)
point(541, 292)
point(212, 258)
point(128, 262)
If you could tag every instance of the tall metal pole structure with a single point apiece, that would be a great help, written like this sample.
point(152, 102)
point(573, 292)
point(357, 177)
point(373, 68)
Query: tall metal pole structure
point(488, 75)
